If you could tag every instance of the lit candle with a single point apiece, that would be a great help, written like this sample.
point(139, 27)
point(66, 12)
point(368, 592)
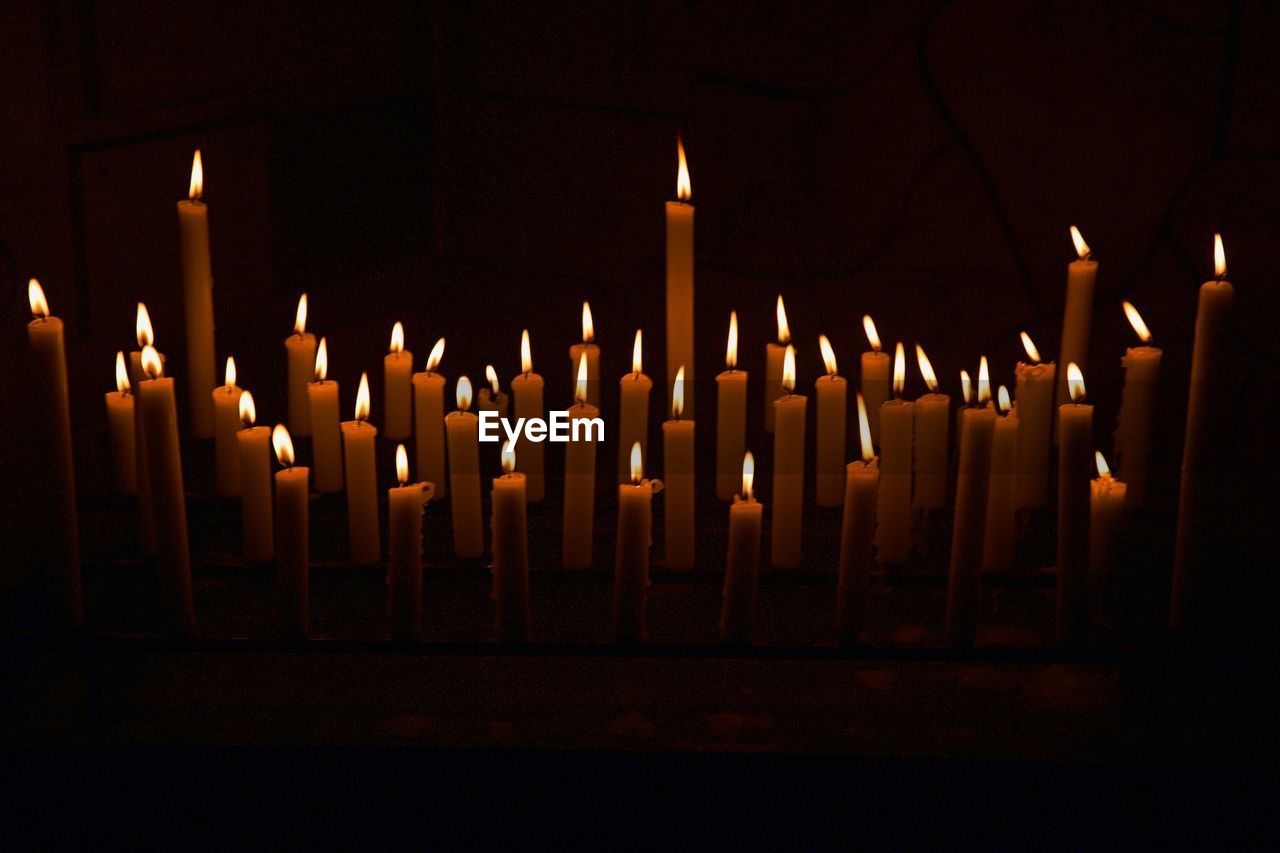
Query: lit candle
point(633, 419)
point(997, 543)
point(1075, 439)
point(1077, 314)
point(120, 421)
point(146, 518)
point(293, 539)
point(527, 390)
point(774, 355)
point(1195, 551)
point(255, 484)
point(1034, 396)
point(831, 392)
point(60, 540)
point(677, 460)
point(397, 367)
point(326, 435)
point(226, 418)
point(875, 376)
point(428, 413)
point(463, 431)
point(785, 533)
point(404, 549)
point(964, 583)
point(893, 508)
point(362, 480)
point(1107, 509)
point(301, 350)
point(631, 559)
point(1137, 405)
point(738, 613)
point(492, 399)
point(588, 348)
point(580, 475)
point(966, 400)
point(164, 462)
point(680, 279)
point(510, 551)
point(197, 292)
point(932, 421)
point(857, 533)
point(731, 417)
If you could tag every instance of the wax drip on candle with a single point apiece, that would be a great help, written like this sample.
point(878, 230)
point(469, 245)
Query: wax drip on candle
point(437, 354)
point(899, 370)
point(784, 331)
point(588, 327)
point(402, 464)
point(1082, 248)
point(1032, 352)
point(637, 355)
point(789, 370)
point(35, 296)
point(248, 411)
point(864, 432)
point(1135, 320)
point(122, 374)
point(1219, 258)
point(926, 370)
point(362, 399)
point(283, 445)
point(492, 376)
point(873, 337)
point(195, 190)
point(1075, 382)
point(828, 355)
point(748, 476)
point(142, 327)
point(984, 382)
point(677, 395)
point(526, 354)
point(731, 348)
point(300, 317)
point(397, 339)
point(464, 394)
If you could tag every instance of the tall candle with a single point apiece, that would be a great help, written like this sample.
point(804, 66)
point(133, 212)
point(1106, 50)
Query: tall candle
point(631, 558)
point(146, 519)
point(589, 349)
point(966, 400)
point(397, 369)
point(492, 399)
point(893, 500)
point(1137, 406)
point(831, 392)
point(680, 302)
point(1075, 441)
point(164, 462)
point(527, 390)
point(678, 462)
point(997, 543)
point(931, 422)
point(300, 348)
point(774, 356)
point(731, 417)
point(510, 551)
point(580, 476)
point(875, 370)
point(226, 417)
point(785, 533)
point(197, 293)
point(1194, 551)
point(742, 568)
point(404, 549)
point(1107, 512)
point(1077, 313)
point(362, 480)
point(326, 435)
point(1034, 395)
point(428, 411)
point(120, 423)
point(857, 532)
point(60, 536)
point(633, 416)
point(292, 539)
point(463, 431)
point(964, 584)
point(255, 484)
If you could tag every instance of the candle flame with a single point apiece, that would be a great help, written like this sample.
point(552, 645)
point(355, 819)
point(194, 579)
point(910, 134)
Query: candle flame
point(1104, 470)
point(122, 374)
point(508, 457)
point(248, 411)
point(1075, 381)
point(437, 353)
point(402, 464)
point(984, 382)
point(1082, 248)
point(828, 355)
point(1219, 257)
point(637, 464)
point(142, 327)
point(464, 393)
point(1003, 401)
point(748, 475)
point(784, 331)
point(966, 387)
point(580, 387)
point(300, 317)
point(588, 327)
point(526, 354)
point(1032, 352)
point(362, 398)
point(684, 189)
point(873, 337)
point(151, 363)
point(492, 376)
point(926, 369)
point(677, 395)
point(322, 360)
point(196, 188)
point(1135, 320)
point(864, 431)
point(283, 444)
point(789, 369)
point(35, 295)
point(637, 354)
point(397, 339)
point(229, 375)
point(899, 369)
point(731, 349)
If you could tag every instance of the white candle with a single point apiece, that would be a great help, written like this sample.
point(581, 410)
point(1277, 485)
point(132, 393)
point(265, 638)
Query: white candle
point(964, 587)
point(589, 349)
point(197, 293)
point(731, 417)
point(677, 460)
point(786, 531)
point(1077, 313)
point(579, 477)
point(742, 568)
point(857, 532)
point(631, 558)
point(292, 539)
point(255, 484)
point(226, 423)
point(875, 376)
point(997, 544)
point(1034, 396)
point(510, 525)
point(930, 423)
point(362, 480)
point(397, 370)
point(1075, 442)
point(463, 431)
point(428, 412)
point(404, 550)
point(1137, 408)
point(120, 422)
point(301, 350)
point(893, 509)
point(831, 392)
point(527, 390)
point(326, 435)
point(633, 415)
point(680, 301)
point(774, 355)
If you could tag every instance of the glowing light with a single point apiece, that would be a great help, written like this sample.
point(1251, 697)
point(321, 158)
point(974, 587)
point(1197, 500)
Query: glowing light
point(677, 395)
point(637, 354)
point(142, 327)
point(1082, 248)
point(637, 464)
point(1032, 352)
point(864, 431)
point(402, 464)
point(526, 354)
point(492, 376)
point(966, 387)
point(151, 362)
point(35, 296)
point(122, 374)
point(899, 369)
point(789, 369)
point(588, 327)
point(464, 393)
point(1075, 382)
point(508, 457)
point(322, 360)
point(873, 337)
point(1135, 320)
point(437, 353)
point(784, 331)
point(580, 387)
point(397, 339)
point(1219, 258)
point(196, 188)
point(731, 349)
point(300, 316)
point(283, 444)
point(248, 411)
point(1104, 470)
point(926, 369)
point(684, 189)
point(828, 355)
point(984, 382)
point(362, 399)
point(1002, 399)
point(748, 475)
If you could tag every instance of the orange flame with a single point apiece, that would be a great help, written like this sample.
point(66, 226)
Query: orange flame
point(437, 353)
point(1135, 320)
point(1104, 470)
point(873, 337)
point(731, 349)
point(248, 411)
point(828, 355)
point(1002, 399)
point(122, 374)
point(1032, 352)
point(1219, 258)
point(580, 386)
point(677, 395)
point(1075, 382)
point(864, 431)
point(784, 331)
point(748, 475)
point(526, 353)
point(229, 374)
point(984, 382)
point(142, 327)
point(637, 464)
point(508, 457)
point(789, 369)
point(637, 354)
point(684, 189)
point(300, 316)
point(35, 296)
point(402, 465)
point(362, 398)
point(492, 376)
point(588, 327)
point(966, 387)
point(464, 393)
point(196, 189)
point(283, 444)
point(1082, 248)
point(152, 364)
point(926, 369)
point(899, 369)
point(397, 339)
point(322, 360)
